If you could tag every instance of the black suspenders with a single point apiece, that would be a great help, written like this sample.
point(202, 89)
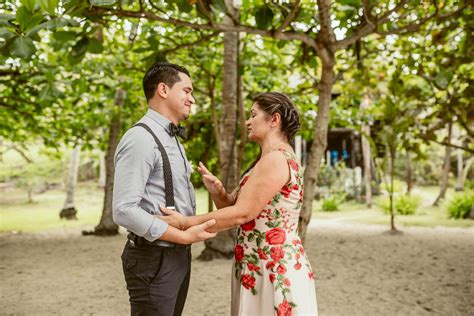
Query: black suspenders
point(169, 193)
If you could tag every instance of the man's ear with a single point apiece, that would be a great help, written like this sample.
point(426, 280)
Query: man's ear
point(276, 119)
point(162, 90)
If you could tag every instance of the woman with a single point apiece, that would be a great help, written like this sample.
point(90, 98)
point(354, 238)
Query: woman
point(271, 271)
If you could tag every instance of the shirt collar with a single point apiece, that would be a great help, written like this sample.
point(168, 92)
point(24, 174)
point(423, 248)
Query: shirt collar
point(158, 118)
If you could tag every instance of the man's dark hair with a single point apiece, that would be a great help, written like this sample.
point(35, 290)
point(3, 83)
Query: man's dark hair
point(161, 72)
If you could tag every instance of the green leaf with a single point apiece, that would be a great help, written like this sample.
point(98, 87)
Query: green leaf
point(65, 36)
point(6, 34)
point(219, 5)
point(80, 47)
point(22, 47)
point(6, 17)
point(100, 3)
point(264, 17)
point(52, 24)
point(48, 5)
point(26, 19)
point(443, 78)
point(95, 46)
point(184, 6)
point(29, 4)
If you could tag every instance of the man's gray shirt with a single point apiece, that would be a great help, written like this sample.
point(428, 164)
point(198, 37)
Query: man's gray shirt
point(139, 187)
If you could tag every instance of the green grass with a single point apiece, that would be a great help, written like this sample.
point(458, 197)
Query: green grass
point(426, 215)
point(43, 215)
point(18, 215)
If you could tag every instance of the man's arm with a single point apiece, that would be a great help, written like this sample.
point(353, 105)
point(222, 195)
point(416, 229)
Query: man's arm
point(134, 161)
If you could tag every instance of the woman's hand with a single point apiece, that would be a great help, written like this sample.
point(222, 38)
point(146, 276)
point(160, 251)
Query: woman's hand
point(211, 182)
point(173, 218)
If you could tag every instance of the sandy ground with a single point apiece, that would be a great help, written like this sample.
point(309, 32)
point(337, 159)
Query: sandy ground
point(359, 271)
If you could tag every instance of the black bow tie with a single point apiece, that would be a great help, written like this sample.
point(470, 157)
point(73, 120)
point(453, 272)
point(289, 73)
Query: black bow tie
point(179, 130)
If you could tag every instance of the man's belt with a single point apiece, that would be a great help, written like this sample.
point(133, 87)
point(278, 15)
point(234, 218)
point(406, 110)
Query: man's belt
point(138, 241)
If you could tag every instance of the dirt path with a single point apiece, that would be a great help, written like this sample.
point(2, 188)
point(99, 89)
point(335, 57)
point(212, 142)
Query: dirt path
point(359, 271)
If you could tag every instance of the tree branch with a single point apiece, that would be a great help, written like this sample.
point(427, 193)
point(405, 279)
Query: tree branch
point(324, 12)
point(293, 14)
point(288, 35)
point(202, 39)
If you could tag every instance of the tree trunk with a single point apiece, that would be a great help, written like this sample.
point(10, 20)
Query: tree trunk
point(409, 178)
point(446, 166)
point(102, 172)
point(460, 162)
point(392, 176)
point(319, 139)
point(366, 154)
point(460, 178)
point(69, 210)
point(222, 246)
point(106, 226)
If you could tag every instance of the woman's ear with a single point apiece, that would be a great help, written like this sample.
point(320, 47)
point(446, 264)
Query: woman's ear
point(276, 120)
point(162, 90)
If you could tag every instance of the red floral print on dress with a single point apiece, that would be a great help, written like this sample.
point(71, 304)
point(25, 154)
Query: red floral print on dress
point(281, 269)
point(238, 253)
point(253, 267)
point(248, 281)
point(272, 277)
point(262, 255)
point(277, 253)
point(284, 309)
point(275, 236)
point(293, 164)
point(248, 226)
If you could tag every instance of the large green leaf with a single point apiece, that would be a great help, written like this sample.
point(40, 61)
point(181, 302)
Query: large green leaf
point(65, 36)
point(6, 34)
point(48, 5)
point(52, 24)
point(100, 3)
point(95, 46)
point(443, 78)
point(80, 48)
point(184, 6)
point(29, 4)
point(22, 47)
point(27, 20)
point(264, 17)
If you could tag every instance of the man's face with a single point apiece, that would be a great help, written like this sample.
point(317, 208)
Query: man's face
point(180, 97)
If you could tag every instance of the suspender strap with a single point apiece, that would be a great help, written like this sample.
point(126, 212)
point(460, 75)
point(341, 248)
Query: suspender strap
point(169, 193)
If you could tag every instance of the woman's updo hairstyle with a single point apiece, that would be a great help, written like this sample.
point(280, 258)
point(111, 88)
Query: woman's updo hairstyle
point(274, 102)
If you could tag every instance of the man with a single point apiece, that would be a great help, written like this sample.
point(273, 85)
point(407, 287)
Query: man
point(156, 259)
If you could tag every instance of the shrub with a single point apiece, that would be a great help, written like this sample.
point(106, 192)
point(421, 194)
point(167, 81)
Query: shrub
point(331, 203)
point(406, 205)
point(402, 204)
point(461, 204)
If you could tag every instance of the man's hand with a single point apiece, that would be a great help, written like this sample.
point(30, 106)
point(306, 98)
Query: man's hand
point(211, 182)
point(198, 232)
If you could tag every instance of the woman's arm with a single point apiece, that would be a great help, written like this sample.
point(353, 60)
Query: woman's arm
point(190, 235)
point(268, 177)
point(215, 187)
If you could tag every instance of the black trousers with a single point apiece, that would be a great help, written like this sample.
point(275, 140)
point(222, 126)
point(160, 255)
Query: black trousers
point(157, 278)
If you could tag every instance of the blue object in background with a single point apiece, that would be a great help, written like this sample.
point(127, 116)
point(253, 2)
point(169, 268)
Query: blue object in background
point(334, 157)
point(345, 155)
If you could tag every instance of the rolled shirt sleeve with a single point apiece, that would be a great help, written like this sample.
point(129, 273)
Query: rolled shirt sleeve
point(134, 161)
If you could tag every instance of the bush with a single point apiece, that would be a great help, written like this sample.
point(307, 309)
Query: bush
point(402, 204)
point(331, 203)
point(407, 205)
point(461, 204)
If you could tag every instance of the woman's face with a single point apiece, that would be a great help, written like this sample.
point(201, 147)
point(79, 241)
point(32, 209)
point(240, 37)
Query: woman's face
point(258, 124)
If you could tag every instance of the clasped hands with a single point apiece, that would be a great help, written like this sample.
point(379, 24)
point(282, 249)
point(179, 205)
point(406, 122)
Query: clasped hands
point(214, 186)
